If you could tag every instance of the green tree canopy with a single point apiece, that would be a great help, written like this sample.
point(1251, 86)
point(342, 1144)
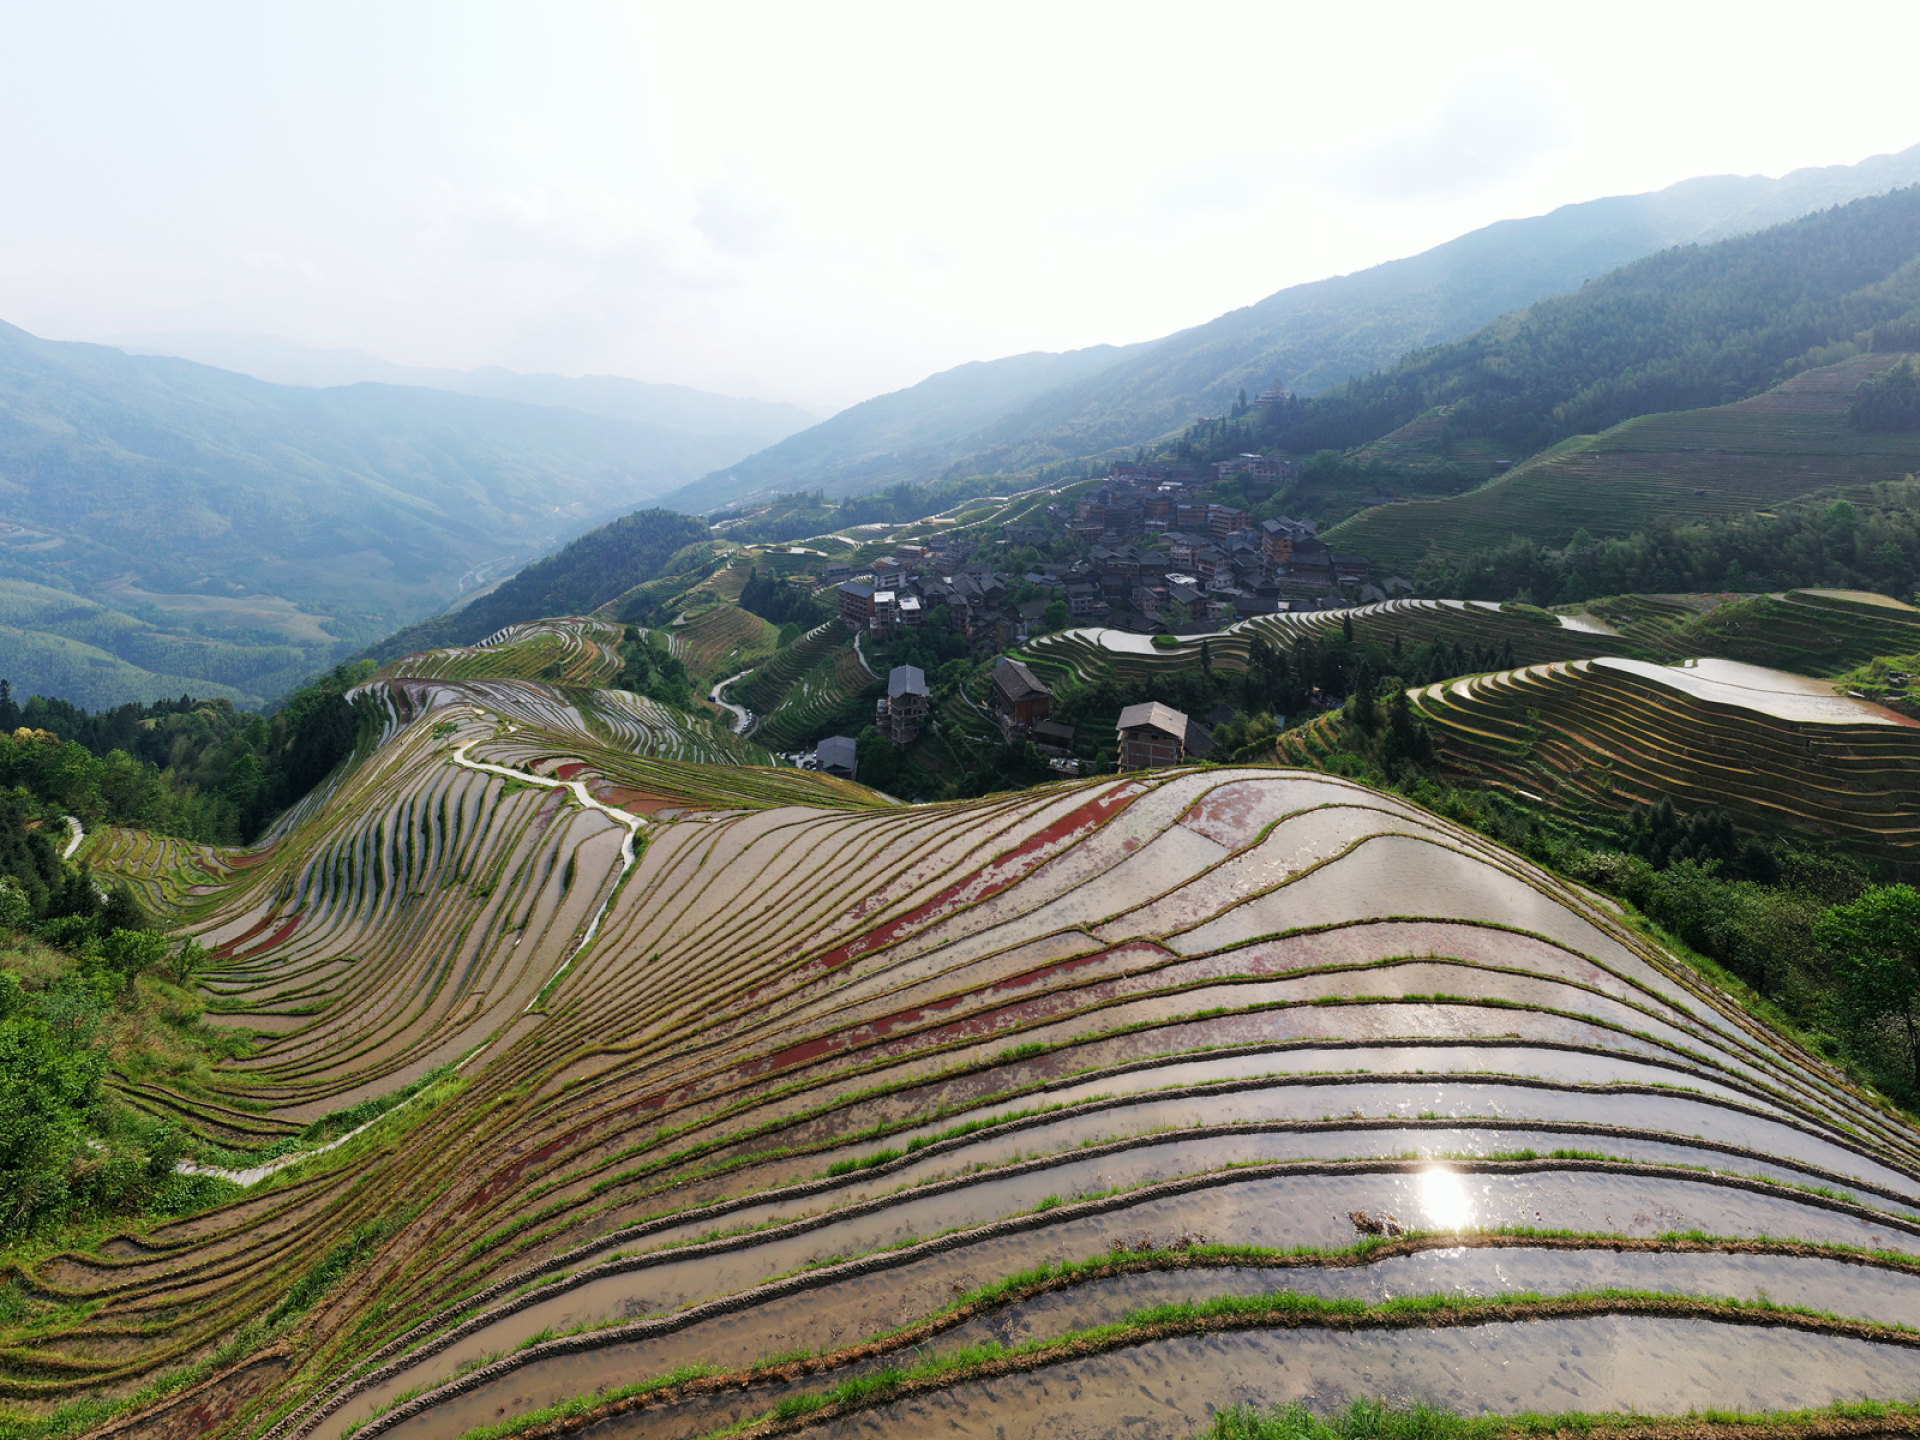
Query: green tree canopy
point(1875, 942)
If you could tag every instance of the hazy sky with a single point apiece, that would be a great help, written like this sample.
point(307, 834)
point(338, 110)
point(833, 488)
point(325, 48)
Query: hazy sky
point(823, 201)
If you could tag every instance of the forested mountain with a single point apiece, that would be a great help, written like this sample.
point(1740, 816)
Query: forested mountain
point(1311, 337)
point(1307, 338)
point(1691, 327)
point(749, 424)
point(582, 575)
point(167, 526)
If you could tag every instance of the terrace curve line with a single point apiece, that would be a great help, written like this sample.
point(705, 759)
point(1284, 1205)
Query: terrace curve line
point(834, 1070)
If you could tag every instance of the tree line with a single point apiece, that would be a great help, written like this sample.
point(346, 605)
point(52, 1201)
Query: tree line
point(1870, 542)
point(196, 769)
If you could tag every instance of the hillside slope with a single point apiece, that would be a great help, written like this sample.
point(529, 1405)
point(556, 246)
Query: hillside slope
point(1675, 466)
point(906, 434)
point(1306, 338)
point(245, 534)
point(1770, 749)
point(1310, 337)
point(582, 575)
point(1691, 327)
point(766, 1086)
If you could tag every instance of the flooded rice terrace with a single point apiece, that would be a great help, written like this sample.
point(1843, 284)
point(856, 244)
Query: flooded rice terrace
point(1168, 1388)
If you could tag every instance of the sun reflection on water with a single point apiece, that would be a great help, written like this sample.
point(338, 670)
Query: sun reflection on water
point(1444, 1195)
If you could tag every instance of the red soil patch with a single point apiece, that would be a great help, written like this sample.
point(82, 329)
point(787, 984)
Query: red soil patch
point(641, 802)
point(983, 1022)
point(227, 948)
point(281, 934)
point(1001, 873)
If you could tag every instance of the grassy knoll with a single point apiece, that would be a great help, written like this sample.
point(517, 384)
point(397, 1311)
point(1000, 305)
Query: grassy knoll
point(772, 682)
point(712, 635)
point(561, 651)
point(1693, 464)
point(1810, 631)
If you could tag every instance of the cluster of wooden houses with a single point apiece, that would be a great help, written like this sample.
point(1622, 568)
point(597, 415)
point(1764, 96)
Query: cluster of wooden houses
point(1148, 735)
point(1149, 552)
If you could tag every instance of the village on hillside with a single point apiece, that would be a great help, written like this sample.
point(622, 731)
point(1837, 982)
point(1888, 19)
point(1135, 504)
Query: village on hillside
point(1147, 551)
point(1154, 548)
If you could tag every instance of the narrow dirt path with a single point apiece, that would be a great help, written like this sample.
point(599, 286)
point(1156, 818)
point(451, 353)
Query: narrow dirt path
point(79, 835)
point(628, 855)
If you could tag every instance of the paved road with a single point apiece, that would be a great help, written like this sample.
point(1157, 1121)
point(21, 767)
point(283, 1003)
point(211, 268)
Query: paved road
point(742, 717)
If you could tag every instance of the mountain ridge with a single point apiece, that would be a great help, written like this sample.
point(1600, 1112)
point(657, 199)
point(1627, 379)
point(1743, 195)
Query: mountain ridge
point(229, 525)
point(1341, 327)
point(279, 361)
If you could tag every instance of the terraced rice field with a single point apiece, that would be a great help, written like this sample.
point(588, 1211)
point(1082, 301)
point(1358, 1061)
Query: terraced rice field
point(1812, 632)
point(1770, 748)
point(582, 655)
point(834, 689)
point(774, 681)
point(570, 650)
point(1691, 464)
point(722, 639)
point(1090, 654)
point(1057, 1113)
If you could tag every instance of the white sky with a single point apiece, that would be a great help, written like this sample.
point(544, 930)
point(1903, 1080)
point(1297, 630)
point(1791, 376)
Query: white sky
point(823, 201)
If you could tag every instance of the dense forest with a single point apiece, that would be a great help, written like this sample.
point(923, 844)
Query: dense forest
point(1690, 327)
point(780, 603)
point(1889, 401)
point(1869, 542)
point(198, 769)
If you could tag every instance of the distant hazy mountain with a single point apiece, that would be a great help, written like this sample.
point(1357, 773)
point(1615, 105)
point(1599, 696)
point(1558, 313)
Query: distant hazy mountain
point(191, 524)
point(676, 407)
point(907, 434)
point(1307, 338)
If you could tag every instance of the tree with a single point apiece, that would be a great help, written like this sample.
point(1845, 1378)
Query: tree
point(49, 1076)
point(1889, 401)
point(125, 953)
point(1875, 942)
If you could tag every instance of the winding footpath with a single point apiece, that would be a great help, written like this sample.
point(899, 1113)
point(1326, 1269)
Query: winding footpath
point(742, 717)
point(628, 855)
point(79, 835)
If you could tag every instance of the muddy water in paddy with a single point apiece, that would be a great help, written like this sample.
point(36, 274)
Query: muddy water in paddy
point(1188, 1156)
point(849, 1312)
point(1678, 1115)
point(990, 1198)
point(1169, 1388)
point(1281, 1211)
point(1797, 1156)
point(1420, 1063)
